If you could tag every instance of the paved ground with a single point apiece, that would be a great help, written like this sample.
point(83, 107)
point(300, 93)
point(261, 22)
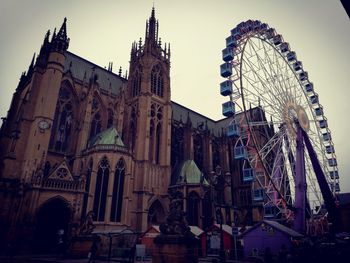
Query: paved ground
point(51, 259)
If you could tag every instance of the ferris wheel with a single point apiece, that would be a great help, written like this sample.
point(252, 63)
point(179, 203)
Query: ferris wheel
point(272, 104)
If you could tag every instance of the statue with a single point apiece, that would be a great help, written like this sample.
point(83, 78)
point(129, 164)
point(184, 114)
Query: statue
point(88, 225)
point(176, 223)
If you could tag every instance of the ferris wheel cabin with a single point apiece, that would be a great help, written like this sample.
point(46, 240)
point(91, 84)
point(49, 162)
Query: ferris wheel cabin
point(270, 33)
point(334, 174)
point(303, 76)
point(240, 152)
point(231, 41)
point(226, 88)
point(227, 54)
point(330, 149)
point(319, 111)
point(291, 56)
point(277, 40)
point(309, 87)
point(228, 109)
point(297, 66)
point(335, 186)
point(258, 195)
point(233, 130)
point(226, 70)
point(248, 175)
point(323, 124)
point(332, 162)
point(326, 136)
point(284, 47)
point(314, 99)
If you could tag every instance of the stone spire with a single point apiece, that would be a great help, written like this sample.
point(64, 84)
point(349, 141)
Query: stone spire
point(60, 42)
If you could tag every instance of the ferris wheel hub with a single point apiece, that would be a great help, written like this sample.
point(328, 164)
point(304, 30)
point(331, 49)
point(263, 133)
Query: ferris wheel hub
point(293, 113)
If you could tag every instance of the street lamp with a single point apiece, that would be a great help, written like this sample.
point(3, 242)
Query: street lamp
point(219, 181)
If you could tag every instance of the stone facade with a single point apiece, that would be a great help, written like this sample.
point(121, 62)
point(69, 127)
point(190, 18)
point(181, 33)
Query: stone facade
point(80, 138)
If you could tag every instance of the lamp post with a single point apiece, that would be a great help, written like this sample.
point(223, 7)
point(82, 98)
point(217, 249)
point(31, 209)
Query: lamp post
point(219, 181)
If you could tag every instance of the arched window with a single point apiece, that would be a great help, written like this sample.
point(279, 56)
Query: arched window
point(157, 81)
point(118, 189)
point(207, 210)
point(101, 188)
point(198, 151)
point(177, 145)
point(136, 83)
point(96, 125)
point(62, 125)
point(110, 120)
point(158, 139)
point(156, 214)
point(193, 208)
point(151, 140)
point(216, 152)
point(155, 133)
point(132, 128)
point(47, 169)
point(87, 188)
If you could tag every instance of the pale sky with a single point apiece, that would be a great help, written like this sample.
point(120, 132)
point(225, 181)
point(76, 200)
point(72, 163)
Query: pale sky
point(102, 31)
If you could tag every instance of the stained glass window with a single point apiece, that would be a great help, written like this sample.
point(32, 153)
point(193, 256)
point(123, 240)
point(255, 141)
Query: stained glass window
point(101, 189)
point(118, 189)
point(62, 125)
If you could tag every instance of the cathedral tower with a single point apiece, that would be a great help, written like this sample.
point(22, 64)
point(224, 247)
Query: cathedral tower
point(147, 130)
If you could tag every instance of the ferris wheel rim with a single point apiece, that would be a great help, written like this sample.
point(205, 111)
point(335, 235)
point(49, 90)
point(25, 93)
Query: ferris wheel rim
point(259, 35)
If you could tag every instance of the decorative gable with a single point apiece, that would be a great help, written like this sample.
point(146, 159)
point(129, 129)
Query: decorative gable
point(61, 172)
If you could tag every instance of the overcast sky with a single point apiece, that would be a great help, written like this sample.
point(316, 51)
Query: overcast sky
point(102, 31)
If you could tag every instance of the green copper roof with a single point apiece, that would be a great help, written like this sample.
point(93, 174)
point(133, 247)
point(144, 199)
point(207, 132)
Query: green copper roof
point(188, 172)
point(107, 137)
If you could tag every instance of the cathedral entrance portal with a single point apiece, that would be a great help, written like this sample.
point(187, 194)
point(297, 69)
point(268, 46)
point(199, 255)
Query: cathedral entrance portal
point(156, 214)
point(52, 225)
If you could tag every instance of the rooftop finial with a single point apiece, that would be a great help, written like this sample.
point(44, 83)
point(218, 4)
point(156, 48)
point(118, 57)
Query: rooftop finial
point(60, 42)
point(153, 12)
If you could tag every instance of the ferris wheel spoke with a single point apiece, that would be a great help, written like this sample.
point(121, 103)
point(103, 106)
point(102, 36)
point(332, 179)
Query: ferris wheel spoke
point(276, 93)
point(285, 74)
point(264, 90)
point(261, 66)
point(277, 77)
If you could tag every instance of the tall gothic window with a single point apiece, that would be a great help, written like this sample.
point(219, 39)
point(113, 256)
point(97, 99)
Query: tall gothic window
point(87, 187)
point(177, 145)
point(216, 152)
point(136, 83)
point(110, 120)
point(151, 139)
point(132, 128)
point(155, 133)
point(198, 151)
point(101, 188)
point(118, 187)
point(96, 125)
point(157, 81)
point(193, 208)
point(207, 210)
point(158, 140)
point(62, 125)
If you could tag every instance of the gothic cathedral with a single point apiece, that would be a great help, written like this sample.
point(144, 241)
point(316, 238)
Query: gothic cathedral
point(80, 138)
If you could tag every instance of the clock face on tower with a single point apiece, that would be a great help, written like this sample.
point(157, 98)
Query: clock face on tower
point(43, 125)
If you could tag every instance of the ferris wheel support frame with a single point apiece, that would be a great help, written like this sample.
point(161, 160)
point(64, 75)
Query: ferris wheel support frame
point(329, 200)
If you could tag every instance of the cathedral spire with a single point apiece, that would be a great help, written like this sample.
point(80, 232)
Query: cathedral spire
point(44, 51)
point(31, 67)
point(152, 28)
point(60, 41)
